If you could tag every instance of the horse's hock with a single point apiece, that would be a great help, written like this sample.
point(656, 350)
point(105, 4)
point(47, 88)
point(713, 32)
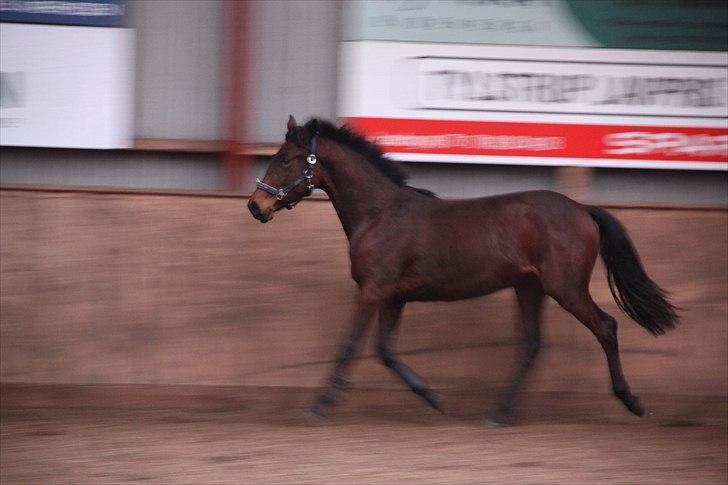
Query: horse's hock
point(163, 289)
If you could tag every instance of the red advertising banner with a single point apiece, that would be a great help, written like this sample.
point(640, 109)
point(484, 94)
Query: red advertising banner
point(518, 139)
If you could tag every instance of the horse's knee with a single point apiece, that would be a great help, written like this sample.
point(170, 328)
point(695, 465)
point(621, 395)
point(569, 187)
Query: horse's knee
point(530, 350)
point(385, 357)
point(533, 352)
point(346, 351)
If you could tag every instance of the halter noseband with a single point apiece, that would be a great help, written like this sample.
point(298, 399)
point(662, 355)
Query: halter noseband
point(307, 176)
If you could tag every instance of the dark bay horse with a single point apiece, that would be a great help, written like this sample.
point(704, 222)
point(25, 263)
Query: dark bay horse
point(406, 245)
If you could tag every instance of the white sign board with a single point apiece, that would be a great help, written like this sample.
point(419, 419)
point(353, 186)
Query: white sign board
point(538, 106)
point(66, 86)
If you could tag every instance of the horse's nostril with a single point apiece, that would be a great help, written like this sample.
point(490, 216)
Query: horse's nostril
point(254, 209)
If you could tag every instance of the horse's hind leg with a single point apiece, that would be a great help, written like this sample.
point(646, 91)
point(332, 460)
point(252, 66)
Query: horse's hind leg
point(604, 328)
point(530, 297)
point(389, 317)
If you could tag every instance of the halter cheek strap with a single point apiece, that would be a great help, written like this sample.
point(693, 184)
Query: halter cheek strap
point(282, 193)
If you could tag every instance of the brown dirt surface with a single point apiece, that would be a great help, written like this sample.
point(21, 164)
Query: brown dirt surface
point(233, 435)
point(194, 337)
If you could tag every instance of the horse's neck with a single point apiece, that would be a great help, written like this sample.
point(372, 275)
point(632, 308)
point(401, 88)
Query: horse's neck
point(356, 189)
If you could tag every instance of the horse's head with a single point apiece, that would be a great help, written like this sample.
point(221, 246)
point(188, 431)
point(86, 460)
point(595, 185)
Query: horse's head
point(291, 174)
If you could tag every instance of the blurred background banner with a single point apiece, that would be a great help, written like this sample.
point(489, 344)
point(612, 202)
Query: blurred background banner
point(542, 82)
point(102, 13)
point(67, 74)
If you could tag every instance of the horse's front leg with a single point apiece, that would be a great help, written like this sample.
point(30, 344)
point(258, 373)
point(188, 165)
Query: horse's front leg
point(389, 317)
point(337, 381)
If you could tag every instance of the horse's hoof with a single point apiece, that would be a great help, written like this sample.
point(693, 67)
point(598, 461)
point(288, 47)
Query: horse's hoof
point(498, 423)
point(634, 405)
point(501, 420)
point(435, 403)
point(431, 399)
point(315, 416)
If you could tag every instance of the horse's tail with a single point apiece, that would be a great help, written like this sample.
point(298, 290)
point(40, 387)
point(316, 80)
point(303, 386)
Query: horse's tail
point(635, 293)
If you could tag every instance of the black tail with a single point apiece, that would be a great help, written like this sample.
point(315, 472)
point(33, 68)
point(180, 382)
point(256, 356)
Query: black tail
point(635, 293)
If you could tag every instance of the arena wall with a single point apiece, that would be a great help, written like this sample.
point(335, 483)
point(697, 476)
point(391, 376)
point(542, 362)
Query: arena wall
point(123, 288)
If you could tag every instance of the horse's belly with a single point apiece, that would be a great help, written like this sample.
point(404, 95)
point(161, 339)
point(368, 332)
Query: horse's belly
point(461, 283)
point(441, 293)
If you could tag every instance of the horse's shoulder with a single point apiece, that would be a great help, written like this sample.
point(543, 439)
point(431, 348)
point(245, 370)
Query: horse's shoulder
point(377, 231)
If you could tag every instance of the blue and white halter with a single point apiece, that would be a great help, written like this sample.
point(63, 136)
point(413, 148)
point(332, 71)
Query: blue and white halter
point(282, 193)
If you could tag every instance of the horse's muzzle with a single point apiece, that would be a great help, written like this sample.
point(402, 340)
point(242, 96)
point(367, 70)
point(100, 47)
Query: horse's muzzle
point(254, 209)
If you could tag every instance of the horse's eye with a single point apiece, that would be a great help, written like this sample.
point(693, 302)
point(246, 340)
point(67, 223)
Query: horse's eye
point(287, 162)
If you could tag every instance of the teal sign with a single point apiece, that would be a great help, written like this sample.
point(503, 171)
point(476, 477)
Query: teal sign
point(655, 24)
point(698, 25)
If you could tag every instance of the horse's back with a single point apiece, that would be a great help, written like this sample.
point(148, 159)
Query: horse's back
point(517, 234)
point(513, 210)
point(548, 207)
point(544, 198)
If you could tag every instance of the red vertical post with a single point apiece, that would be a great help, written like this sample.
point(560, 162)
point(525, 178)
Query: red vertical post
point(236, 165)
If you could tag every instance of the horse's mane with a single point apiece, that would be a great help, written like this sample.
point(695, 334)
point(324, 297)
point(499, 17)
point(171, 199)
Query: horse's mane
point(345, 135)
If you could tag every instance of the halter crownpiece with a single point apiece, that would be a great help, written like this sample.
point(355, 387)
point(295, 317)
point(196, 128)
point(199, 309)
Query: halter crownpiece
point(307, 176)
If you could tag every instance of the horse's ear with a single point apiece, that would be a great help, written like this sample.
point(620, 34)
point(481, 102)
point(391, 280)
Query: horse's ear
point(291, 123)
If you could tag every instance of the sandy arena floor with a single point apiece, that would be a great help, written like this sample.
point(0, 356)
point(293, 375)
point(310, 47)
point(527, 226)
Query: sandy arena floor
point(163, 290)
point(374, 437)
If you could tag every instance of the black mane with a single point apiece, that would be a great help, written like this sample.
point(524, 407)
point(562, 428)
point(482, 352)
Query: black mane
point(346, 136)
